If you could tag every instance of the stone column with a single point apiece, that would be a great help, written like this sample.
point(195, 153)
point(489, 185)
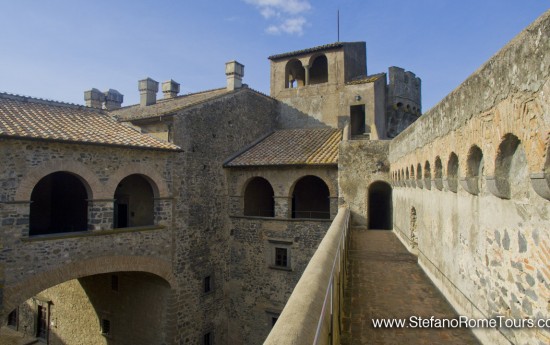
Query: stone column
point(283, 206)
point(163, 211)
point(306, 68)
point(100, 214)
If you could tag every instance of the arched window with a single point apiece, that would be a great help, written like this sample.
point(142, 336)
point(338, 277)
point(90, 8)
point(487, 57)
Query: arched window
point(438, 172)
point(134, 202)
point(318, 72)
point(310, 198)
point(509, 151)
point(474, 168)
point(258, 198)
point(452, 172)
point(380, 206)
point(295, 74)
point(427, 175)
point(58, 204)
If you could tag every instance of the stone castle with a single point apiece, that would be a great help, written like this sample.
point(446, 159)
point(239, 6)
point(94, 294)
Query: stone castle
point(190, 219)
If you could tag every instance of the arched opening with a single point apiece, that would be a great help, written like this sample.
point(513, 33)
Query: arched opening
point(318, 72)
point(452, 172)
point(258, 198)
point(134, 202)
point(311, 198)
point(474, 166)
point(438, 173)
point(58, 205)
point(380, 206)
point(98, 309)
point(508, 166)
point(427, 175)
point(295, 74)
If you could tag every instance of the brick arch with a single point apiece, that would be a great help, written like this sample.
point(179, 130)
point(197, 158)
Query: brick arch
point(90, 180)
point(157, 182)
point(16, 294)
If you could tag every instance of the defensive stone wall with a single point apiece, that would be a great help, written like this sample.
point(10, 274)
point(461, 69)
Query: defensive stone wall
point(471, 188)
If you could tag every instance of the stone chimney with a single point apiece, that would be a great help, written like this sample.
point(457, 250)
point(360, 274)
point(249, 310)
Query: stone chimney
point(235, 73)
point(113, 99)
point(148, 89)
point(94, 98)
point(170, 89)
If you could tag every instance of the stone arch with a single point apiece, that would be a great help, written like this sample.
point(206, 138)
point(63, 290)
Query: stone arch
point(380, 206)
point(155, 179)
point(134, 202)
point(419, 176)
point(499, 183)
point(258, 197)
point(438, 173)
point(17, 293)
point(294, 72)
point(474, 170)
point(310, 198)
point(452, 172)
point(59, 204)
point(85, 174)
point(541, 180)
point(318, 69)
point(412, 179)
point(427, 175)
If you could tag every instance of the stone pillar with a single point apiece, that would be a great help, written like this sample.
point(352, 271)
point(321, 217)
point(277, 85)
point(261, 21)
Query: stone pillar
point(163, 211)
point(148, 89)
point(100, 214)
point(283, 206)
point(234, 72)
point(306, 81)
point(333, 206)
point(94, 98)
point(170, 89)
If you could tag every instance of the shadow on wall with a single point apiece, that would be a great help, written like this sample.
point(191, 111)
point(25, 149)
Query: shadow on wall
point(289, 117)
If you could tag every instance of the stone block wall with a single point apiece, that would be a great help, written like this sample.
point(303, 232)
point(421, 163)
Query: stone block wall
point(479, 226)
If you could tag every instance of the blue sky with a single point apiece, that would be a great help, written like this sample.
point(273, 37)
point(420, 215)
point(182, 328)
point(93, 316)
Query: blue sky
point(57, 49)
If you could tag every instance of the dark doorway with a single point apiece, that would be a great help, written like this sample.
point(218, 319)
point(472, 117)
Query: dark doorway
point(311, 198)
point(42, 323)
point(380, 206)
point(258, 198)
point(357, 114)
point(58, 205)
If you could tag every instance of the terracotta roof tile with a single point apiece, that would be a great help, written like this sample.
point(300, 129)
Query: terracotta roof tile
point(366, 79)
point(308, 50)
point(293, 147)
point(32, 118)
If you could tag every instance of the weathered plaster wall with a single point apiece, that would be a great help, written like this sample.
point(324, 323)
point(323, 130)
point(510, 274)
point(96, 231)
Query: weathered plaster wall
point(486, 249)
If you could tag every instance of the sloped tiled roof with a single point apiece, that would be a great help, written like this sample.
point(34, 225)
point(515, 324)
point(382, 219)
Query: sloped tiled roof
point(165, 106)
point(307, 51)
point(317, 146)
point(363, 79)
point(32, 118)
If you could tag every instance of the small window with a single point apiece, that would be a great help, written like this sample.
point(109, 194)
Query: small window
point(207, 339)
point(281, 257)
point(105, 327)
point(274, 320)
point(272, 317)
point(207, 284)
point(114, 282)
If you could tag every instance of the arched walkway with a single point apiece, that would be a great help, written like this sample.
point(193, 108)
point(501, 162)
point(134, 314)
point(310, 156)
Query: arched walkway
point(311, 198)
point(258, 198)
point(380, 206)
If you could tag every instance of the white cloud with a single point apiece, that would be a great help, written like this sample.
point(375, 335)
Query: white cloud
point(292, 26)
point(286, 14)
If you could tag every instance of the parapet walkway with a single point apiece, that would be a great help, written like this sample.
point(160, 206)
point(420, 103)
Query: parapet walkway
point(385, 281)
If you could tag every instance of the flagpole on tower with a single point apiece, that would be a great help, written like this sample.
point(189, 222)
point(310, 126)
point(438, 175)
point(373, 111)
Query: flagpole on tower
point(338, 24)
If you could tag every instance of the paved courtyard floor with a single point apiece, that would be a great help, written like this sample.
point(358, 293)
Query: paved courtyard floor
point(385, 281)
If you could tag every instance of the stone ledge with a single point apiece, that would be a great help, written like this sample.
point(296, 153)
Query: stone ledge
point(282, 219)
point(81, 234)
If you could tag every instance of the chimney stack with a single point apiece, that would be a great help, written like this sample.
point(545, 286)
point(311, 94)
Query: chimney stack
point(113, 99)
point(235, 73)
point(170, 89)
point(94, 98)
point(148, 89)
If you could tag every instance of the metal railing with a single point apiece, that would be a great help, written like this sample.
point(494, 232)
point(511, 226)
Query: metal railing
point(312, 314)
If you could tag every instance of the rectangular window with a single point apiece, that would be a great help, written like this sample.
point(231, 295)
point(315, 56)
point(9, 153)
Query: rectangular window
point(42, 322)
point(274, 320)
point(105, 327)
point(12, 319)
point(281, 257)
point(207, 284)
